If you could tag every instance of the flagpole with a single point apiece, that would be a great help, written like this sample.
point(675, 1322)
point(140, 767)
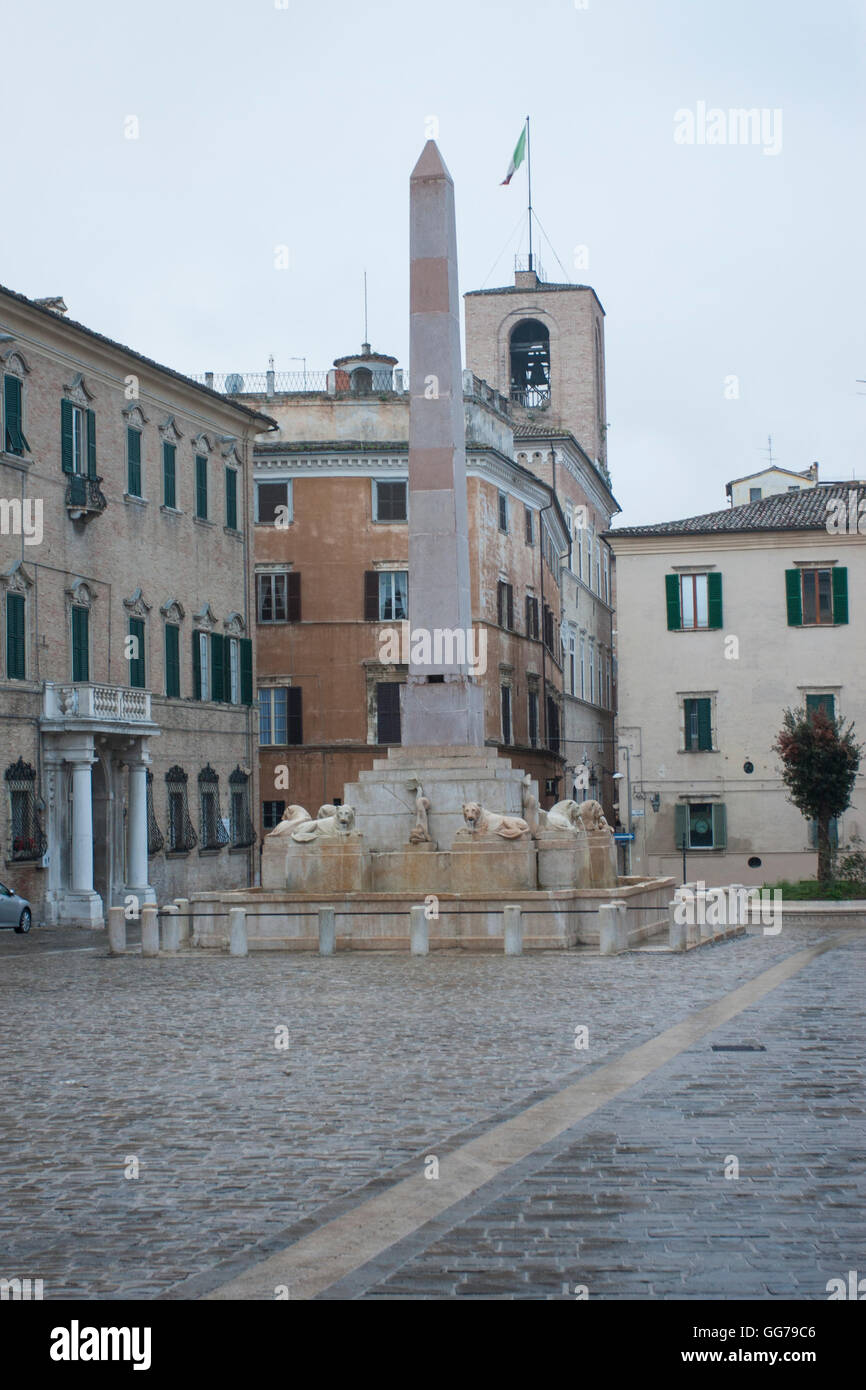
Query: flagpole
point(529, 181)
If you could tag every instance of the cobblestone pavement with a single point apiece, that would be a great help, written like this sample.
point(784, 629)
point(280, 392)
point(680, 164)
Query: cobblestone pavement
point(392, 1058)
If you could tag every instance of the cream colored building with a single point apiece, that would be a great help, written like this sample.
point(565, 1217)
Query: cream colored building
point(127, 723)
point(769, 482)
point(725, 620)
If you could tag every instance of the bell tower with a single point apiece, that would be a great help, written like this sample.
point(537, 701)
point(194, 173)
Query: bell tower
point(542, 346)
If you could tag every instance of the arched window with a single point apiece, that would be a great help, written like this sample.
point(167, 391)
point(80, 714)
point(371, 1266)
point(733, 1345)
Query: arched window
point(242, 829)
point(530, 363)
point(213, 832)
point(361, 381)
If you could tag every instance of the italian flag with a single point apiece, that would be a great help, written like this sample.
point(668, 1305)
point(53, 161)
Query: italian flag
point(516, 158)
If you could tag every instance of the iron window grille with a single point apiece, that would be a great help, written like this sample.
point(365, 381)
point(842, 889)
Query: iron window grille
point(213, 833)
point(181, 831)
point(29, 841)
point(155, 837)
point(242, 829)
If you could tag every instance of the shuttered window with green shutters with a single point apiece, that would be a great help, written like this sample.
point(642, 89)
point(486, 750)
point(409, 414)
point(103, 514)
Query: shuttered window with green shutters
point(200, 666)
point(169, 485)
point(217, 666)
point(16, 644)
point(13, 416)
point(817, 597)
point(201, 487)
point(80, 643)
point(77, 439)
point(91, 444)
point(693, 601)
point(825, 702)
point(840, 594)
point(232, 499)
point(246, 646)
point(137, 671)
point(133, 462)
point(698, 724)
point(794, 598)
point(704, 825)
point(172, 661)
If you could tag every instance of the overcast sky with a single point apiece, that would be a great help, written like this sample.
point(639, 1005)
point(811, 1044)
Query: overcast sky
point(262, 126)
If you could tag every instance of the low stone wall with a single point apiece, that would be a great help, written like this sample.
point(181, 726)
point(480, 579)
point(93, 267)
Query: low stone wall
point(824, 914)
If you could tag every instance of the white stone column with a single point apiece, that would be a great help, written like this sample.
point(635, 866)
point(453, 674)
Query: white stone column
point(82, 826)
point(136, 849)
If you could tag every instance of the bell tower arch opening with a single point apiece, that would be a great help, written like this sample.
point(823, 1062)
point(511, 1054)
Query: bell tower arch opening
point(529, 364)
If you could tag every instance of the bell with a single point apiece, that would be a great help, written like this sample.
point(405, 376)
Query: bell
point(537, 374)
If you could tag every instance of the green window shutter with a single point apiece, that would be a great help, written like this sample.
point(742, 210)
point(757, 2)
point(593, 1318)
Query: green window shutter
point(196, 667)
point(66, 437)
point(91, 444)
point(16, 663)
point(137, 663)
point(720, 826)
point(672, 596)
point(714, 600)
point(201, 486)
point(681, 825)
point(231, 499)
point(794, 598)
point(840, 594)
point(172, 660)
point(169, 493)
point(705, 730)
point(246, 646)
point(13, 415)
point(80, 644)
point(217, 682)
point(133, 462)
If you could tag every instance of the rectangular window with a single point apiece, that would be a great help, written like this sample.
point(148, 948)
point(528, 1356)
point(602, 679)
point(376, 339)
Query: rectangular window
point(232, 499)
point(201, 487)
point(503, 512)
point(280, 711)
point(393, 595)
point(77, 439)
point(505, 701)
point(273, 504)
point(532, 617)
point(698, 724)
point(169, 489)
point(272, 598)
point(754, 494)
point(592, 672)
point(572, 665)
point(80, 643)
point(694, 601)
point(817, 597)
point(13, 416)
point(136, 654)
point(825, 702)
point(172, 661)
point(234, 690)
point(703, 825)
point(390, 501)
point(388, 712)
point(583, 668)
point(16, 646)
point(529, 525)
point(533, 718)
point(272, 813)
point(693, 596)
point(505, 605)
point(606, 560)
point(133, 462)
point(549, 628)
point(201, 681)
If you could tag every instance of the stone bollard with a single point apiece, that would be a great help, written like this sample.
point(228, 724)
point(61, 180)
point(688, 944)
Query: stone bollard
point(677, 931)
point(327, 931)
point(238, 945)
point(170, 929)
point(149, 930)
point(419, 932)
point(116, 931)
point(613, 932)
point(513, 930)
point(184, 925)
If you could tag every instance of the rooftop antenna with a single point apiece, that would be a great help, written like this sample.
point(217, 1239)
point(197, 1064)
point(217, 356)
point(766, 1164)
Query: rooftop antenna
point(771, 459)
point(366, 339)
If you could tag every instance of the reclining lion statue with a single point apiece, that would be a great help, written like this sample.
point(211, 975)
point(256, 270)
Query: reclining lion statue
point(292, 817)
point(565, 815)
point(342, 822)
point(480, 821)
point(592, 816)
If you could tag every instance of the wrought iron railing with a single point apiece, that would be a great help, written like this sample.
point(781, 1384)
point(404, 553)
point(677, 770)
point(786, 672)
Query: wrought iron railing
point(29, 841)
point(530, 397)
point(84, 494)
point(294, 383)
point(155, 837)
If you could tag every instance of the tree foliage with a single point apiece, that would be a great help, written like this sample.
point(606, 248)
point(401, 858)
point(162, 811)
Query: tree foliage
point(820, 760)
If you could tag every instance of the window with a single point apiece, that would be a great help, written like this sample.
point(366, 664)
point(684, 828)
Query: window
point(388, 712)
point(13, 417)
point(213, 833)
point(697, 714)
point(133, 462)
point(136, 662)
point(529, 525)
point(816, 597)
point(825, 702)
point(273, 503)
point(813, 833)
point(503, 512)
point(272, 813)
point(592, 672)
point(172, 661)
point(80, 643)
point(279, 597)
point(201, 487)
point(16, 641)
point(754, 494)
point(580, 536)
point(201, 681)
point(386, 596)
point(181, 832)
point(572, 665)
point(582, 667)
point(606, 562)
point(233, 684)
point(530, 363)
point(77, 439)
point(169, 490)
point(549, 628)
point(155, 839)
point(390, 501)
point(232, 499)
point(702, 825)
point(693, 601)
point(533, 718)
point(552, 725)
point(28, 841)
point(280, 715)
point(505, 605)
point(531, 617)
point(505, 705)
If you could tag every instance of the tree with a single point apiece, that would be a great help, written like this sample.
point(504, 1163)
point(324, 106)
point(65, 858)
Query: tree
point(819, 766)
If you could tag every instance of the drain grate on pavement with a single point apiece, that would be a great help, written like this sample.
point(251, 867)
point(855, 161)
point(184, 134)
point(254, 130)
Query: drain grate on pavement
point(738, 1047)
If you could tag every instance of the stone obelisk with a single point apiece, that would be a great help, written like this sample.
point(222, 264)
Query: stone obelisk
point(442, 704)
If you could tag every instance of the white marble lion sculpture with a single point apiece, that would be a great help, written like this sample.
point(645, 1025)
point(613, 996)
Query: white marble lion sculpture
point(565, 815)
point(293, 816)
point(342, 822)
point(592, 816)
point(480, 821)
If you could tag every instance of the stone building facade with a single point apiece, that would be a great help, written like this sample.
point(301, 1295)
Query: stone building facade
point(127, 640)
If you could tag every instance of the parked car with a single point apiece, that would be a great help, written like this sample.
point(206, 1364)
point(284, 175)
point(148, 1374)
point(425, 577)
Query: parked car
point(14, 910)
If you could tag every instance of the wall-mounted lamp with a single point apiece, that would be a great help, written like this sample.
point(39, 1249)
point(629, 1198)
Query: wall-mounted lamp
point(655, 800)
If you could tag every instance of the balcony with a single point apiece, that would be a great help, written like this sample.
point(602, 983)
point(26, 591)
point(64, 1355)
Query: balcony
point(84, 497)
point(114, 707)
